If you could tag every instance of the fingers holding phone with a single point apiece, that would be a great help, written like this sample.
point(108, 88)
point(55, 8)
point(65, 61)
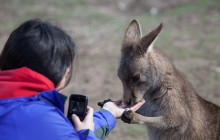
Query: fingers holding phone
point(77, 105)
point(80, 115)
point(87, 123)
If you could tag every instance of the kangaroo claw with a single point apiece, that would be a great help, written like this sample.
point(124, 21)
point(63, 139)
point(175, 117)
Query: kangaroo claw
point(127, 116)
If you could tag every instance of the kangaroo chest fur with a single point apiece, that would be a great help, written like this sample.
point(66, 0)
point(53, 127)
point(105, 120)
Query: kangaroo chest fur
point(192, 120)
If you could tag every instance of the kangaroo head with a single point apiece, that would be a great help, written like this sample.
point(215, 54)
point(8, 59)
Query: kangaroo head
point(137, 70)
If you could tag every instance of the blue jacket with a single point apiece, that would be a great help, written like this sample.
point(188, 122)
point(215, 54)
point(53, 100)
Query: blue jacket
point(41, 117)
point(34, 118)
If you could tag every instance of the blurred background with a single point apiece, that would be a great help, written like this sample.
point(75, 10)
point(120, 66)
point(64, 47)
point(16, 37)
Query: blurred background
point(190, 37)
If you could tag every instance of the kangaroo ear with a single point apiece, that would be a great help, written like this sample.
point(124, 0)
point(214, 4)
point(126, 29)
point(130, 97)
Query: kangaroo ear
point(147, 41)
point(132, 33)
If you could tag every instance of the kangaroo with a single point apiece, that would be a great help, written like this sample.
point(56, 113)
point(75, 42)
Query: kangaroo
point(173, 110)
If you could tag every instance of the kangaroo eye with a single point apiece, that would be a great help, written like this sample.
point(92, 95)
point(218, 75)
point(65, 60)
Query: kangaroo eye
point(136, 78)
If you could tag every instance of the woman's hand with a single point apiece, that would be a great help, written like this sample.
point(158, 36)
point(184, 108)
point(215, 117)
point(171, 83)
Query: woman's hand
point(117, 110)
point(87, 123)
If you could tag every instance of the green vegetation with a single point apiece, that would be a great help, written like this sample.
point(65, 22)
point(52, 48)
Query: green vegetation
point(132, 130)
point(216, 101)
point(136, 130)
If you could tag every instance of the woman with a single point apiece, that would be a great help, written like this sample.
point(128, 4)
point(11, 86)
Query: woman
point(36, 64)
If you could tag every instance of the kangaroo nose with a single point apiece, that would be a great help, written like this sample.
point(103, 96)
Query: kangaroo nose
point(128, 102)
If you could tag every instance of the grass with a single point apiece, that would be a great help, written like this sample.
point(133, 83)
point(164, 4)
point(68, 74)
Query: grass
point(198, 7)
point(132, 130)
point(68, 3)
point(216, 101)
point(25, 9)
point(184, 53)
point(136, 130)
point(112, 67)
point(214, 80)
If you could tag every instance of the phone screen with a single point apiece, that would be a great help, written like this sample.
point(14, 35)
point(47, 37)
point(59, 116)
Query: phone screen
point(77, 107)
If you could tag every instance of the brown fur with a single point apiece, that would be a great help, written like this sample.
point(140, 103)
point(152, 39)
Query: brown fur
point(173, 110)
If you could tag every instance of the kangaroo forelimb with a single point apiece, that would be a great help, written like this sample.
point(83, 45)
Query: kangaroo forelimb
point(158, 122)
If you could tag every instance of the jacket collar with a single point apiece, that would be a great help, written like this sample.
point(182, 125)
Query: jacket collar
point(53, 97)
point(22, 82)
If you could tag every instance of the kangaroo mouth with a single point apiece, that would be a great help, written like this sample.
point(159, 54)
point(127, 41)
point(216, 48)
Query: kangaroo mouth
point(131, 102)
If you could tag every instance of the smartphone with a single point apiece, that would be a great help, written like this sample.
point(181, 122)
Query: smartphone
point(77, 105)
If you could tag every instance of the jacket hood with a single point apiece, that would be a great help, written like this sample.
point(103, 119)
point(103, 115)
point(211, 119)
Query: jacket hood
point(22, 82)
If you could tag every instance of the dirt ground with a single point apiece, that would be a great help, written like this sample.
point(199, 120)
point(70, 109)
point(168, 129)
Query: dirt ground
point(191, 38)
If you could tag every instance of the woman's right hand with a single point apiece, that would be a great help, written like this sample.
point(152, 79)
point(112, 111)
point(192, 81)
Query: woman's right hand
point(117, 110)
point(87, 123)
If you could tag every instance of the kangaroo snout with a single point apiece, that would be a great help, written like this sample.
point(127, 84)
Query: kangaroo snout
point(131, 97)
point(131, 101)
point(127, 97)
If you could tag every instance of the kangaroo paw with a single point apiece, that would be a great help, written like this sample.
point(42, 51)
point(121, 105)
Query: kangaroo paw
point(128, 116)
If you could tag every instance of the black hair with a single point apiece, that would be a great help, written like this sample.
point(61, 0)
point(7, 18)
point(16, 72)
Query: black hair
point(41, 47)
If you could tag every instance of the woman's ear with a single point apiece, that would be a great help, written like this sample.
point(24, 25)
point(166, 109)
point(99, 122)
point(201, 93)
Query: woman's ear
point(62, 83)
